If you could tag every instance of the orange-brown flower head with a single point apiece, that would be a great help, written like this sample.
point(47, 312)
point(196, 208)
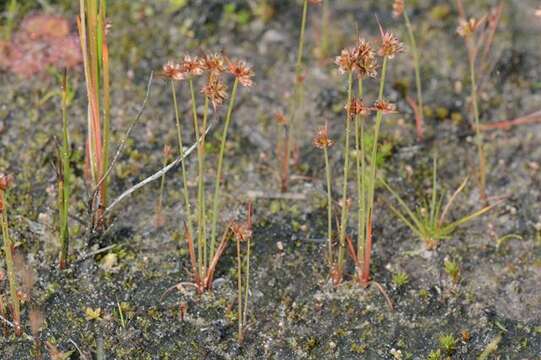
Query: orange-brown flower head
point(281, 119)
point(215, 90)
point(241, 71)
point(346, 60)
point(213, 63)
point(365, 63)
point(172, 71)
point(315, 2)
point(385, 107)
point(5, 182)
point(390, 45)
point(167, 152)
point(467, 28)
point(398, 8)
point(357, 107)
point(242, 231)
point(322, 140)
point(192, 65)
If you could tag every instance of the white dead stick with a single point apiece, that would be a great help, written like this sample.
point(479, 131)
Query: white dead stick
point(157, 175)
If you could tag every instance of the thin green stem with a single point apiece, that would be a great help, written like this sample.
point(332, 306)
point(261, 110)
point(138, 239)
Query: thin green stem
point(324, 48)
point(416, 62)
point(217, 185)
point(239, 290)
point(329, 205)
point(8, 253)
point(300, 50)
point(66, 171)
point(247, 282)
point(201, 205)
point(359, 148)
point(373, 165)
point(479, 135)
point(188, 207)
point(344, 216)
point(160, 196)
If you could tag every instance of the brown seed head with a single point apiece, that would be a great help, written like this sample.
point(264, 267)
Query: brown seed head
point(241, 71)
point(167, 152)
point(365, 64)
point(390, 45)
point(398, 8)
point(213, 63)
point(36, 321)
point(242, 231)
point(467, 28)
point(357, 107)
point(346, 60)
point(280, 118)
point(215, 90)
point(192, 65)
point(5, 182)
point(384, 106)
point(172, 71)
point(322, 140)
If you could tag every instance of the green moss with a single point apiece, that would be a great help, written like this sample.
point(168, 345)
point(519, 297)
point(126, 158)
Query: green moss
point(447, 343)
point(400, 279)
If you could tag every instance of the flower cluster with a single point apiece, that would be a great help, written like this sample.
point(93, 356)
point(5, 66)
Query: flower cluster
point(315, 2)
point(357, 107)
point(467, 28)
point(215, 65)
point(322, 140)
point(360, 59)
point(390, 45)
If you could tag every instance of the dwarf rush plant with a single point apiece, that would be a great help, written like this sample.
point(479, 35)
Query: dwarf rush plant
point(93, 38)
point(399, 9)
point(467, 30)
point(5, 181)
point(429, 222)
point(360, 62)
point(206, 251)
point(296, 102)
point(243, 234)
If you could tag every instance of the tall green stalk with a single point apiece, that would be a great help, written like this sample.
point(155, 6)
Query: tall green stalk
point(416, 63)
point(344, 216)
point(218, 182)
point(93, 39)
point(361, 189)
point(105, 69)
point(66, 181)
point(329, 205)
point(8, 253)
point(243, 288)
point(187, 204)
point(201, 206)
point(479, 135)
point(296, 101)
point(372, 176)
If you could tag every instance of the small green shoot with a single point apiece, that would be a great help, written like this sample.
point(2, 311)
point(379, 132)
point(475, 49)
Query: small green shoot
point(434, 355)
point(453, 270)
point(400, 279)
point(429, 222)
point(447, 343)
